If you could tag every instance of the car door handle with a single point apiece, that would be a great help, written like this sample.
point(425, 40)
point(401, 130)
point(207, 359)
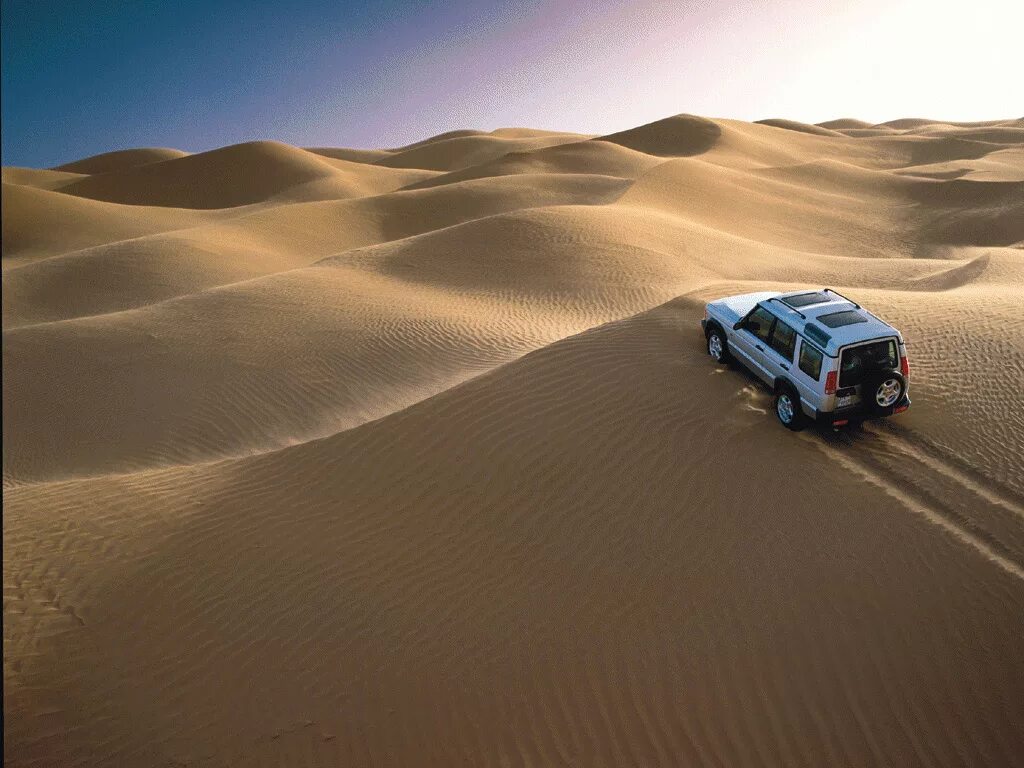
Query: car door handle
point(758, 346)
point(784, 366)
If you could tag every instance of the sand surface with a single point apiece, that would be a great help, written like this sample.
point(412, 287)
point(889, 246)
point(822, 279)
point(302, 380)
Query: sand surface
point(414, 457)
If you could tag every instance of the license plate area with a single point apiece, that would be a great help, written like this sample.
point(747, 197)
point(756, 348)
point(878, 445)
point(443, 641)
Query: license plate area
point(846, 401)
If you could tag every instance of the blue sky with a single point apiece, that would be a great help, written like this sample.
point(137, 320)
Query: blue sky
point(95, 75)
point(88, 76)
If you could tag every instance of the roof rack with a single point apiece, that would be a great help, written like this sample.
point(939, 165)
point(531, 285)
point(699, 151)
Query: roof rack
point(837, 293)
point(858, 306)
point(787, 306)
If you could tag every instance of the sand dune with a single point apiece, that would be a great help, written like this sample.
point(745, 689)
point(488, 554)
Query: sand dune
point(120, 160)
point(39, 178)
point(254, 242)
point(414, 457)
point(844, 123)
point(232, 176)
point(1001, 165)
point(682, 135)
point(39, 223)
point(454, 150)
point(591, 158)
point(452, 153)
point(793, 125)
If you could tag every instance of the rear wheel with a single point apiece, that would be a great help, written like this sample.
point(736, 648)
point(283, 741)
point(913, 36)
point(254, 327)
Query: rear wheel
point(718, 347)
point(883, 390)
point(788, 410)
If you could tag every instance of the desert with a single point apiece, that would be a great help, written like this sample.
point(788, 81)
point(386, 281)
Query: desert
point(415, 456)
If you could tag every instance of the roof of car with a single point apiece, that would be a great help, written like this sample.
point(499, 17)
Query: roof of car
point(827, 318)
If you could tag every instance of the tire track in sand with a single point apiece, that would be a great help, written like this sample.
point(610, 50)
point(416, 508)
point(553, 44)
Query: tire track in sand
point(943, 489)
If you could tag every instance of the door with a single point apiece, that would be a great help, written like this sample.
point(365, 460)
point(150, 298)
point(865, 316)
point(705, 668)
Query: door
point(857, 362)
point(751, 341)
point(807, 376)
point(781, 346)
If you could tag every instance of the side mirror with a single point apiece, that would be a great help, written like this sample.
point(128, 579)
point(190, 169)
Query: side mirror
point(737, 325)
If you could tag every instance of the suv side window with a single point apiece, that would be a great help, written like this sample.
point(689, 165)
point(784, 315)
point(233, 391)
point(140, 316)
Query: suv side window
point(810, 360)
point(759, 322)
point(783, 340)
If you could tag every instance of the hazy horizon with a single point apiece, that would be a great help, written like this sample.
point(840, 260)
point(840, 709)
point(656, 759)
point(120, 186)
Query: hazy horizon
point(198, 76)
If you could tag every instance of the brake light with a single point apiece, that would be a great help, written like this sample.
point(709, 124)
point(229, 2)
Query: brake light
point(830, 383)
point(905, 366)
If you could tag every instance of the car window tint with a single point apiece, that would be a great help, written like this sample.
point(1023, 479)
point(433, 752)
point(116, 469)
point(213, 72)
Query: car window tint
point(810, 360)
point(857, 362)
point(760, 323)
point(783, 340)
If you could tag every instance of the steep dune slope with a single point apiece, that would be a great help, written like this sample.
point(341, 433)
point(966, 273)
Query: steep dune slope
point(682, 135)
point(414, 456)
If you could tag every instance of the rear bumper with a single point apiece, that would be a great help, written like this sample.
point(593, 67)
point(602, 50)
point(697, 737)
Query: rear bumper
point(859, 413)
point(704, 324)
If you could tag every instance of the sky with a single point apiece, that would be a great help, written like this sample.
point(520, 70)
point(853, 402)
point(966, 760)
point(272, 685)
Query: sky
point(89, 76)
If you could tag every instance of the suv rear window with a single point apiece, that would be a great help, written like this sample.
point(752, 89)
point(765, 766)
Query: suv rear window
point(863, 359)
point(810, 360)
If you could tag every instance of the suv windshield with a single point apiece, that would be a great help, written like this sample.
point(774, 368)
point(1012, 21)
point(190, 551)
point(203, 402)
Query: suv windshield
point(861, 360)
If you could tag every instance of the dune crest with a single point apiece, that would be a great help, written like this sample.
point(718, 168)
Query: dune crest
point(679, 136)
point(414, 456)
point(121, 160)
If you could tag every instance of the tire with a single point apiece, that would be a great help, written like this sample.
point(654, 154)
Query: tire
point(881, 390)
point(718, 345)
point(788, 410)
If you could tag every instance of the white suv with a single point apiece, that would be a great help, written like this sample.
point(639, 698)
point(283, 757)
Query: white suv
point(825, 357)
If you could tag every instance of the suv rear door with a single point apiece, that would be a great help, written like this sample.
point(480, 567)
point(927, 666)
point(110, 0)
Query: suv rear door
point(808, 374)
point(856, 361)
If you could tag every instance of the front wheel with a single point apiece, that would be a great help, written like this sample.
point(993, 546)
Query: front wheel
point(718, 347)
point(787, 409)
